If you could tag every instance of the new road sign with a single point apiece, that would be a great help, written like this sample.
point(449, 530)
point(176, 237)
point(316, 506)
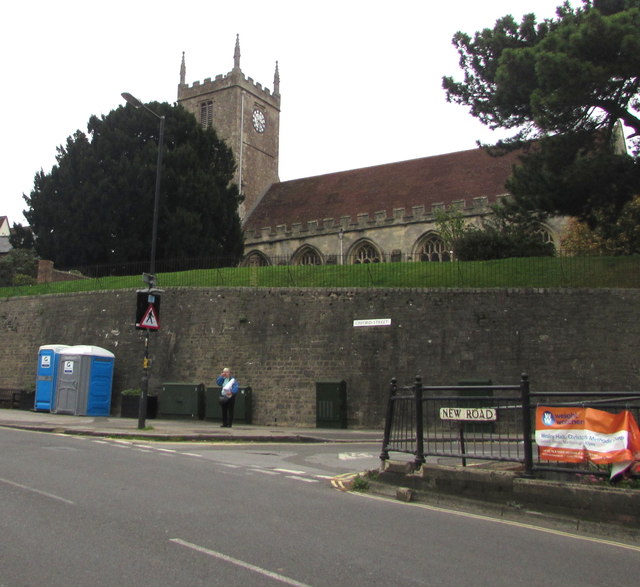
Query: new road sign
point(469, 414)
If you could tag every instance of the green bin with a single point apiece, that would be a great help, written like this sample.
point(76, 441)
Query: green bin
point(181, 400)
point(331, 404)
point(242, 411)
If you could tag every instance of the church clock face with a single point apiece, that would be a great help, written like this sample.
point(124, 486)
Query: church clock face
point(259, 121)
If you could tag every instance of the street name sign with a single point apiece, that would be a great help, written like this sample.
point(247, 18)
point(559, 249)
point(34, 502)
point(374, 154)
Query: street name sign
point(469, 414)
point(372, 322)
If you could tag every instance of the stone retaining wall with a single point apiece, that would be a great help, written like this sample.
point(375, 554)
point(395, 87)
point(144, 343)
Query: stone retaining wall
point(281, 341)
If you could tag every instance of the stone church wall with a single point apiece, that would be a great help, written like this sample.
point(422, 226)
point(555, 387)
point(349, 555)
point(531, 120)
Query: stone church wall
point(401, 232)
point(281, 341)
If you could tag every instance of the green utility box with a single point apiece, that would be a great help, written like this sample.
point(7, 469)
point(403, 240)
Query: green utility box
point(181, 400)
point(331, 404)
point(485, 427)
point(242, 410)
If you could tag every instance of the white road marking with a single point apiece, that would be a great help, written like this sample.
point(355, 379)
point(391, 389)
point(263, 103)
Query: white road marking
point(290, 471)
point(38, 491)
point(305, 479)
point(239, 563)
point(351, 456)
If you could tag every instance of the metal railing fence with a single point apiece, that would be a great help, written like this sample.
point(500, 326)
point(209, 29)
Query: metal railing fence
point(484, 422)
point(532, 272)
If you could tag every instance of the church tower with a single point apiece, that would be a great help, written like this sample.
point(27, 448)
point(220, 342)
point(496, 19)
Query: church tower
point(247, 117)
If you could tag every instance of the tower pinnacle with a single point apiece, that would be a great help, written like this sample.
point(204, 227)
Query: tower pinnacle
point(236, 54)
point(276, 81)
point(183, 71)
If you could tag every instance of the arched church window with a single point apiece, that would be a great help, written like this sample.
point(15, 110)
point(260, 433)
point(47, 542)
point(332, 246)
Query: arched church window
point(432, 248)
point(256, 259)
point(306, 256)
point(365, 253)
point(545, 235)
point(206, 114)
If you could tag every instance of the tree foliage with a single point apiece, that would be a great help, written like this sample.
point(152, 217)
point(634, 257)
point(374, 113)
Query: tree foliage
point(18, 267)
point(562, 86)
point(501, 236)
point(451, 225)
point(21, 237)
point(620, 238)
point(96, 204)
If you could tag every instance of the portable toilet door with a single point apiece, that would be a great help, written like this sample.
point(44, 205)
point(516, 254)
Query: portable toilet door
point(46, 376)
point(83, 385)
point(98, 398)
point(67, 396)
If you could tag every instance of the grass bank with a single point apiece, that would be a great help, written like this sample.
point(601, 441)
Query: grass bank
point(536, 272)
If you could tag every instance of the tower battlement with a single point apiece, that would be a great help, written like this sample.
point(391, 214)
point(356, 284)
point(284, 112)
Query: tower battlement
point(224, 82)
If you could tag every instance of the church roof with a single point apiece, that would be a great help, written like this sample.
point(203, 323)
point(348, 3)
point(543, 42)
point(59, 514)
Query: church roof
point(417, 182)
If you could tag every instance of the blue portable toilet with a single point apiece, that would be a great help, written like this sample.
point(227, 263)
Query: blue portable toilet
point(83, 382)
point(46, 376)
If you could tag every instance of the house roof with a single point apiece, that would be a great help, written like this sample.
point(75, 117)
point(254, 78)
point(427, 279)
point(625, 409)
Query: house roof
point(417, 182)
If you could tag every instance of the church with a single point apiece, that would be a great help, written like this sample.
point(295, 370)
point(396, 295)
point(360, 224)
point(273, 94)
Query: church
point(371, 215)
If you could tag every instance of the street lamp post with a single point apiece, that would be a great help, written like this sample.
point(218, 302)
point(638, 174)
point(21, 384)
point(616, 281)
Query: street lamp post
point(151, 279)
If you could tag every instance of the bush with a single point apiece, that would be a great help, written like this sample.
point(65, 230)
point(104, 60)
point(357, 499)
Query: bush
point(487, 244)
point(22, 279)
point(18, 264)
point(131, 392)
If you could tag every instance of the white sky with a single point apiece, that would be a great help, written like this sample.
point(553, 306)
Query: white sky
point(360, 80)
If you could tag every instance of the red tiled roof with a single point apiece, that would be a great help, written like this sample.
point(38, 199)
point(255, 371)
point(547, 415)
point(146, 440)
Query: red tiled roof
point(417, 182)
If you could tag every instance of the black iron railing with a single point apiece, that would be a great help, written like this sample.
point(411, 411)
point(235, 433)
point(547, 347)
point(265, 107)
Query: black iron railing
point(483, 422)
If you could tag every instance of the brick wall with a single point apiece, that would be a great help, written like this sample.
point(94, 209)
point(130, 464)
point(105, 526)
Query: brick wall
point(281, 341)
point(47, 273)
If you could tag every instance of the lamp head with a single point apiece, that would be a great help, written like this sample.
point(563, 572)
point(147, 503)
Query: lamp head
point(131, 100)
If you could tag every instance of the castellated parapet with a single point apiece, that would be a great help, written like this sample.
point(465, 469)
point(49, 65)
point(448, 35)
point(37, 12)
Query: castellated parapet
point(478, 206)
point(223, 82)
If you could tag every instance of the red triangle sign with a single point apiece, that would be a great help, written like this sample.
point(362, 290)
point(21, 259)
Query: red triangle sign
point(150, 320)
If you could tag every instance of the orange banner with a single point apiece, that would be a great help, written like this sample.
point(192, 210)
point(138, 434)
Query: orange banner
point(576, 435)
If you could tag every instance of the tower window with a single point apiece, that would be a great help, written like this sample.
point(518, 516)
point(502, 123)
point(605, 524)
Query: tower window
point(206, 114)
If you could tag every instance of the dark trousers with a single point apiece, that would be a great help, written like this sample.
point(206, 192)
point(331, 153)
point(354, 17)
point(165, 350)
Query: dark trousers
point(227, 411)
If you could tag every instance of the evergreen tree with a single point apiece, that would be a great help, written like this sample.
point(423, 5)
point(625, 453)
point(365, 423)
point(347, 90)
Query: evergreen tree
point(563, 86)
point(96, 204)
point(21, 237)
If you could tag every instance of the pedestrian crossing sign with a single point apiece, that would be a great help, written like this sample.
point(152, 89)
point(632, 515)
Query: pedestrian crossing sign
point(150, 320)
point(148, 310)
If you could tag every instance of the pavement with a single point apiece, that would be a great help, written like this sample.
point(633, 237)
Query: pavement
point(178, 429)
